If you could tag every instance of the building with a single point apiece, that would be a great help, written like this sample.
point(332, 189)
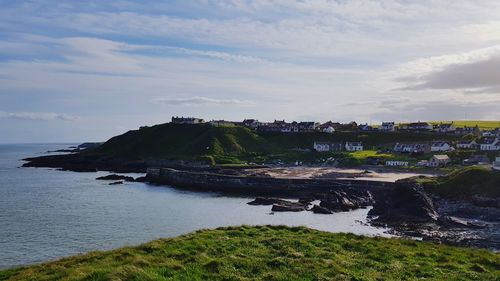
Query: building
point(251, 123)
point(439, 161)
point(388, 127)
point(475, 160)
point(489, 144)
point(221, 123)
point(327, 146)
point(187, 120)
point(467, 144)
point(307, 126)
point(329, 130)
point(366, 127)
point(496, 164)
point(417, 126)
point(395, 163)
point(445, 128)
point(353, 146)
point(414, 148)
point(438, 146)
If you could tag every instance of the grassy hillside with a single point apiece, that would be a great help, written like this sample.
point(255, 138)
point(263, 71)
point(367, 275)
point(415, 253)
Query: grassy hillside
point(466, 182)
point(236, 144)
point(271, 253)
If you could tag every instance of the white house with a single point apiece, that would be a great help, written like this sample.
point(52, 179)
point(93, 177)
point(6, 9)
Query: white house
point(329, 130)
point(387, 127)
point(396, 163)
point(437, 146)
point(489, 144)
point(353, 146)
point(439, 161)
point(467, 144)
point(321, 146)
point(496, 164)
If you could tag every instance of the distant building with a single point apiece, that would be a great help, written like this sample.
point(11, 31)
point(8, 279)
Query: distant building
point(414, 148)
point(353, 146)
point(329, 130)
point(445, 128)
point(417, 126)
point(396, 163)
point(307, 126)
point(439, 161)
point(327, 146)
point(388, 127)
point(489, 144)
point(251, 123)
point(467, 144)
point(439, 146)
point(476, 159)
point(187, 120)
point(365, 127)
point(221, 123)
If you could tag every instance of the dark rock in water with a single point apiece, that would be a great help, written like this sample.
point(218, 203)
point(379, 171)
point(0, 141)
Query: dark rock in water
point(347, 200)
point(451, 221)
point(320, 210)
point(141, 179)
point(306, 201)
point(407, 203)
point(114, 177)
point(116, 183)
point(266, 201)
point(288, 207)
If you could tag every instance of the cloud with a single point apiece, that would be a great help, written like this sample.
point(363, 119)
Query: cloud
point(44, 116)
point(202, 101)
point(477, 72)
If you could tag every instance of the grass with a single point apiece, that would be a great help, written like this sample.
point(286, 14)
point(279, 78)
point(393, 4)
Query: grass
point(465, 182)
point(271, 253)
point(482, 124)
point(237, 145)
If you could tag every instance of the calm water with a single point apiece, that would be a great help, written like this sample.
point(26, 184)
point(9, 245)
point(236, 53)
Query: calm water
point(46, 214)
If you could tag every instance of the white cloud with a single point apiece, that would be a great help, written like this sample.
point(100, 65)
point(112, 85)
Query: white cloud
point(44, 116)
point(201, 101)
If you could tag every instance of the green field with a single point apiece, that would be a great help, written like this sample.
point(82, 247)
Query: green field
point(482, 124)
point(271, 253)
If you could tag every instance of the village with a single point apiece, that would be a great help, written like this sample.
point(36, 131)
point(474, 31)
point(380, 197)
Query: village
point(480, 146)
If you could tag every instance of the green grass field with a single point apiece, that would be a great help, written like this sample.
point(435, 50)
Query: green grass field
point(271, 253)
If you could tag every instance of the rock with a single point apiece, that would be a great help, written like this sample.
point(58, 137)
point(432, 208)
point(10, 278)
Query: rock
point(460, 222)
point(306, 201)
point(320, 210)
point(266, 201)
point(116, 183)
point(141, 179)
point(407, 203)
point(288, 207)
point(115, 177)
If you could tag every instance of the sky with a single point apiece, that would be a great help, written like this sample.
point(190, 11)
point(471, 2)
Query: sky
point(74, 71)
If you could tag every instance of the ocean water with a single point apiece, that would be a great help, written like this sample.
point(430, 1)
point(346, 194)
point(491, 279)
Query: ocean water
point(46, 214)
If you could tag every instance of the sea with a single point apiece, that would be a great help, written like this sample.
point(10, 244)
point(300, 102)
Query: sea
point(47, 214)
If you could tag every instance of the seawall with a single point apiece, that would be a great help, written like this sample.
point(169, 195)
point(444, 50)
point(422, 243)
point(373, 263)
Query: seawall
point(293, 187)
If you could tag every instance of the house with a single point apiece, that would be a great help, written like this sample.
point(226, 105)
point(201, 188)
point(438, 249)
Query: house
point(388, 127)
point(414, 148)
point(251, 123)
point(496, 164)
point(476, 159)
point(490, 133)
point(278, 126)
point(439, 161)
point(467, 144)
point(307, 126)
point(468, 131)
point(437, 146)
point(418, 126)
point(327, 146)
point(488, 144)
point(353, 146)
point(328, 124)
point(187, 120)
point(366, 127)
point(393, 163)
point(221, 123)
point(445, 128)
point(329, 130)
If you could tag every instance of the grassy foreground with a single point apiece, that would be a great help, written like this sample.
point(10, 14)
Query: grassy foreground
point(271, 253)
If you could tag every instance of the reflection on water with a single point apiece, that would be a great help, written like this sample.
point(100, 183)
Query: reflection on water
point(46, 214)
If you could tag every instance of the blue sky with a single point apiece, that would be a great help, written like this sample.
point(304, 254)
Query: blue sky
point(88, 70)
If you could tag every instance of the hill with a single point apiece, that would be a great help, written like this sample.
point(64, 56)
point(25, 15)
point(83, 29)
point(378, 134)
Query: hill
point(465, 183)
point(271, 253)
